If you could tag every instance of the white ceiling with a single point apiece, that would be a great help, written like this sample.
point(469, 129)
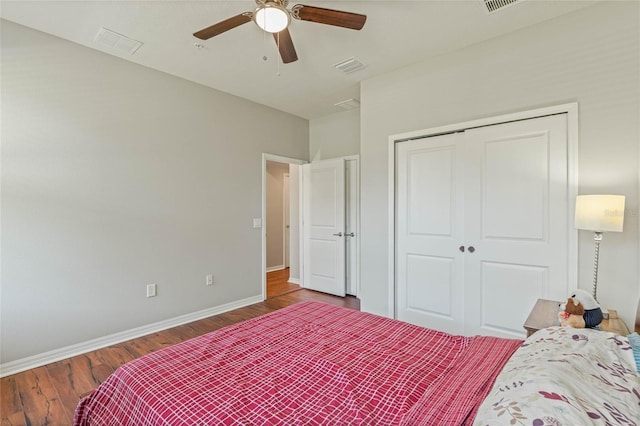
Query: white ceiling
point(397, 33)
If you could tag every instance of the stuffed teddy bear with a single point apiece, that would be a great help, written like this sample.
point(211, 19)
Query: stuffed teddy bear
point(592, 312)
point(572, 315)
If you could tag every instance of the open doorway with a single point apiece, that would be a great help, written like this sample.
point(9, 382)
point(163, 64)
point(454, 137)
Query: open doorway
point(285, 277)
point(281, 225)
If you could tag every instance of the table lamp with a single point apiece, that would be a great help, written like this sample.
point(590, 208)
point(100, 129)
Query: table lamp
point(599, 213)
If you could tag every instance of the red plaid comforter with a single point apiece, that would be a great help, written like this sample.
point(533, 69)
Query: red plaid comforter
point(308, 364)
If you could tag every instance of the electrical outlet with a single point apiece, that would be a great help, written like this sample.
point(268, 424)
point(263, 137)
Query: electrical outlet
point(209, 280)
point(151, 290)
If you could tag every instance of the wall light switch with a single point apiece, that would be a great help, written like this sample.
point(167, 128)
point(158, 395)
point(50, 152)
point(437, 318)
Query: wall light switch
point(257, 222)
point(151, 290)
point(209, 280)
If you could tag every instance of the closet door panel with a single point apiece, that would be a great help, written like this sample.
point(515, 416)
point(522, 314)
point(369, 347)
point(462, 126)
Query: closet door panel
point(429, 280)
point(429, 183)
point(515, 186)
point(517, 283)
point(434, 298)
point(516, 218)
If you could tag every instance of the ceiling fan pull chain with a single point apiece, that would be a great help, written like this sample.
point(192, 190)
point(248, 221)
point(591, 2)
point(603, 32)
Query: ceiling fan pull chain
point(265, 49)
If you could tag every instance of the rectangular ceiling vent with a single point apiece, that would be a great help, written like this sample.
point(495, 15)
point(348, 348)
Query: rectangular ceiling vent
point(350, 65)
point(495, 5)
point(115, 41)
point(349, 104)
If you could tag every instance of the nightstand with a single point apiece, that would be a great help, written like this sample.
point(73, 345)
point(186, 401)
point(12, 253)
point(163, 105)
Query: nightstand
point(545, 314)
point(614, 324)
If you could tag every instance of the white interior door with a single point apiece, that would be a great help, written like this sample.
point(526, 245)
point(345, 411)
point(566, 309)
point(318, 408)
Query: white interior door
point(324, 226)
point(516, 219)
point(429, 213)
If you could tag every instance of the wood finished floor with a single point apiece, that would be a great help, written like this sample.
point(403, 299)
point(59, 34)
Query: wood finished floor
point(278, 283)
point(48, 395)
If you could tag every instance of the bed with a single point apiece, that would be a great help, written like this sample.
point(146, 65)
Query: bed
point(319, 364)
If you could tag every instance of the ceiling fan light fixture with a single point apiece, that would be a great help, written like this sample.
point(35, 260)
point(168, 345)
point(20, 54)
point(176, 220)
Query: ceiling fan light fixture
point(272, 17)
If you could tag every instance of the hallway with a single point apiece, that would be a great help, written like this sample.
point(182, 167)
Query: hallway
point(277, 283)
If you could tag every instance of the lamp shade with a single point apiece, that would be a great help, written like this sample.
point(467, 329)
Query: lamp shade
point(600, 213)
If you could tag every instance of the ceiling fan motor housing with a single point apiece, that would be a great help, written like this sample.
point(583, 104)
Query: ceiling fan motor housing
point(282, 3)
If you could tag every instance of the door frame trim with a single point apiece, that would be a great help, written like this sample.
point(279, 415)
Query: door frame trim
point(263, 232)
point(571, 109)
point(356, 158)
point(285, 209)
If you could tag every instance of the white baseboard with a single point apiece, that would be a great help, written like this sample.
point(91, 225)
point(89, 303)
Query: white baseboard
point(294, 280)
point(275, 268)
point(39, 360)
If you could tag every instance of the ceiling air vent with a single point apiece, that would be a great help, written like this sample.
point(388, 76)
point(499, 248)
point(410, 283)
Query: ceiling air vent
point(349, 104)
point(350, 65)
point(494, 5)
point(116, 41)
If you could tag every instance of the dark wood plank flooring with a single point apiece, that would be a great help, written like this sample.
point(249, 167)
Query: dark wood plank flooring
point(278, 283)
point(48, 395)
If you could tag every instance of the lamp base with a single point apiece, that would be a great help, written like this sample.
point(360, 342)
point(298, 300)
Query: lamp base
point(597, 237)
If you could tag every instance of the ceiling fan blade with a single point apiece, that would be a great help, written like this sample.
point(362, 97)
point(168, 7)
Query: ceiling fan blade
point(354, 21)
point(285, 46)
point(226, 25)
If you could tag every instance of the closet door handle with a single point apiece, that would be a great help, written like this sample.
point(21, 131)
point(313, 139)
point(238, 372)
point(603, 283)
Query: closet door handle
point(461, 248)
point(339, 234)
point(471, 249)
point(350, 234)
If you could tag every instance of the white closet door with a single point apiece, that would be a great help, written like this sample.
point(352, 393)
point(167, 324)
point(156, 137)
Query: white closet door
point(429, 232)
point(517, 221)
point(324, 226)
point(482, 226)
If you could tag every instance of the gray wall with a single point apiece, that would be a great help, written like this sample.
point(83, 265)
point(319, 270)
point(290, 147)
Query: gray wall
point(115, 176)
point(334, 136)
point(590, 56)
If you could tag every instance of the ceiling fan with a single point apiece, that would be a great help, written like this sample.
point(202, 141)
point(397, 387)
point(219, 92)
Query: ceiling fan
point(273, 16)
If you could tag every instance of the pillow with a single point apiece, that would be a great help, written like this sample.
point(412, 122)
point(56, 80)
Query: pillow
point(634, 339)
